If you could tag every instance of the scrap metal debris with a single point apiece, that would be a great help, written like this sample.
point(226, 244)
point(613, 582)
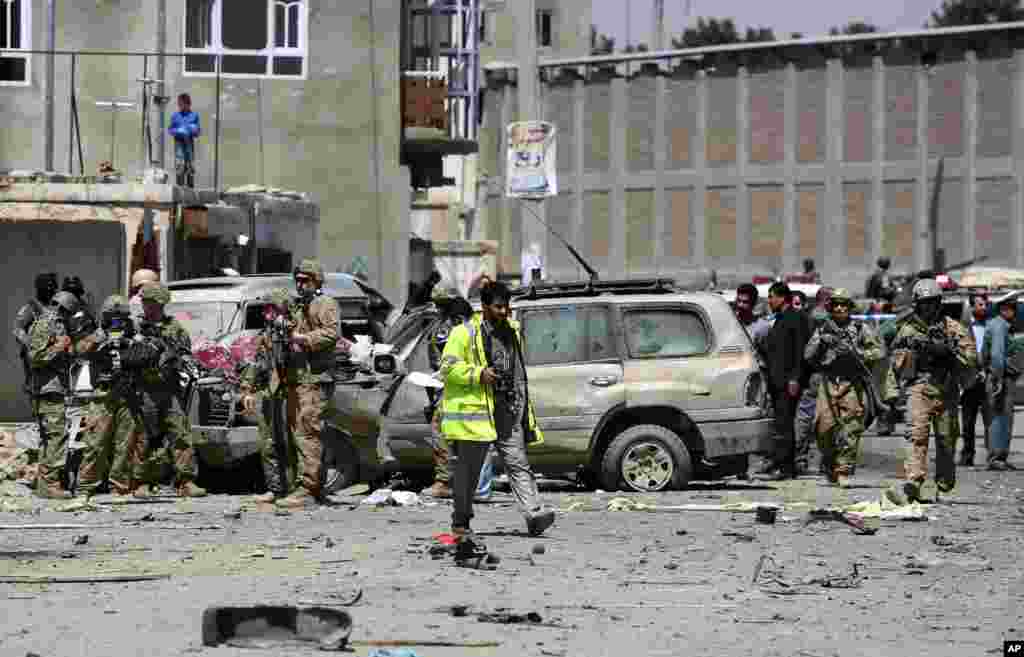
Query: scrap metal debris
point(275, 627)
point(767, 572)
point(94, 579)
point(859, 523)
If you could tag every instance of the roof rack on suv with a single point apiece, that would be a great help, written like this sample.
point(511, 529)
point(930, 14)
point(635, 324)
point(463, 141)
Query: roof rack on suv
point(596, 287)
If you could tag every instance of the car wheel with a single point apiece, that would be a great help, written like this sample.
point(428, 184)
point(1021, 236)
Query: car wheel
point(341, 465)
point(646, 458)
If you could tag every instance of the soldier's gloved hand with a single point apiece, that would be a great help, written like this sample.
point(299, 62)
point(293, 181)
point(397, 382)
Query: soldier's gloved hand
point(938, 350)
point(249, 404)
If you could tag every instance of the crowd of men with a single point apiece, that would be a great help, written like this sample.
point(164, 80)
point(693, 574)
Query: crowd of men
point(831, 376)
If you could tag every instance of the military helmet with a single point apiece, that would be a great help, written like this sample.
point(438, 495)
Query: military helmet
point(884, 262)
point(46, 281)
point(310, 267)
point(67, 301)
point(926, 288)
point(144, 276)
point(840, 294)
point(444, 294)
point(115, 303)
point(278, 297)
point(157, 293)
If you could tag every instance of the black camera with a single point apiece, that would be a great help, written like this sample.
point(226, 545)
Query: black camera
point(118, 324)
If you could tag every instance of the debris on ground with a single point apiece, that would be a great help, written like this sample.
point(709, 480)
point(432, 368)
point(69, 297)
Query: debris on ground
point(740, 536)
point(93, 579)
point(393, 652)
point(924, 560)
point(627, 504)
point(768, 572)
point(275, 627)
point(860, 524)
point(884, 509)
point(347, 602)
point(80, 539)
point(388, 497)
point(504, 617)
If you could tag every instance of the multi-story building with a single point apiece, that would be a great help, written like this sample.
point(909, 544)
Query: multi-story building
point(563, 29)
point(294, 94)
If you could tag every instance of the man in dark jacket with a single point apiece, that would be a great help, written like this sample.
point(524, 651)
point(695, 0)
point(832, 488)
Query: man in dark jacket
point(784, 348)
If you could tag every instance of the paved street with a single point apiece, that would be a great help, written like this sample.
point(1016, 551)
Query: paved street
point(608, 583)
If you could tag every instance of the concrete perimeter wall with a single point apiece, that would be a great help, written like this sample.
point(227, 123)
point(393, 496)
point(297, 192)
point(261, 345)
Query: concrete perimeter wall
point(748, 163)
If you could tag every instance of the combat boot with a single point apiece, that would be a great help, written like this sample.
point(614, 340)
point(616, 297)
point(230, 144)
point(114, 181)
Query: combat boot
point(265, 498)
point(142, 492)
point(439, 491)
point(540, 520)
point(297, 500)
point(841, 476)
point(190, 489)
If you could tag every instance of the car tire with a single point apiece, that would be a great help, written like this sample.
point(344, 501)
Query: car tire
point(646, 458)
point(341, 464)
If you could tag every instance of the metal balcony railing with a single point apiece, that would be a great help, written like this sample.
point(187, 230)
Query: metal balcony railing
point(441, 66)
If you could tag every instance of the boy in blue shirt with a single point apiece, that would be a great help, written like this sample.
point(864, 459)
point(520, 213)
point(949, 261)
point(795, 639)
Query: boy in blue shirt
point(184, 128)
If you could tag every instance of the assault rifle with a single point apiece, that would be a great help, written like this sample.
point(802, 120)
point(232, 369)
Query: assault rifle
point(280, 342)
point(922, 346)
point(121, 360)
point(173, 361)
point(876, 407)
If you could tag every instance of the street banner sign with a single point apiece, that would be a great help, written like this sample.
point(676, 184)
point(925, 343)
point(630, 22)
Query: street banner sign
point(530, 170)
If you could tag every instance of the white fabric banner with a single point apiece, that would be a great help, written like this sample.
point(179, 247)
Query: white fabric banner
point(530, 170)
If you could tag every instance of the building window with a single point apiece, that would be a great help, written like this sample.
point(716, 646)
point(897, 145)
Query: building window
point(257, 38)
point(15, 33)
point(544, 28)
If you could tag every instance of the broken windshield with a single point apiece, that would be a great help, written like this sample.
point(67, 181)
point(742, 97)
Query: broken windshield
point(204, 320)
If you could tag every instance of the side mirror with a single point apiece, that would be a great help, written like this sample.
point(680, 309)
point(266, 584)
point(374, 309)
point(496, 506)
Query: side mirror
point(387, 364)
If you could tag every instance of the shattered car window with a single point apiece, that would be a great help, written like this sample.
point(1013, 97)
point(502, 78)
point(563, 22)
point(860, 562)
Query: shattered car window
point(567, 334)
point(665, 334)
point(203, 320)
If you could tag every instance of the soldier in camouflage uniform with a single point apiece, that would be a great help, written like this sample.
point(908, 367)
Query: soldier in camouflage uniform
point(933, 354)
point(51, 352)
point(842, 351)
point(261, 387)
point(165, 426)
point(310, 379)
point(111, 435)
point(46, 287)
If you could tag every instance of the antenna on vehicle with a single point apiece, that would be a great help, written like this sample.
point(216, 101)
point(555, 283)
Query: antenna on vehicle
point(576, 254)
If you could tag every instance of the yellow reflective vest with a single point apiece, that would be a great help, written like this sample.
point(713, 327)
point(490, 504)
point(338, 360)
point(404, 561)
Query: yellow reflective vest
point(467, 409)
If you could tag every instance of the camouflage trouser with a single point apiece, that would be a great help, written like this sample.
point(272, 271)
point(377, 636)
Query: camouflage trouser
point(440, 448)
point(929, 411)
point(269, 453)
point(308, 404)
point(111, 439)
point(172, 437)
point(53, 453)
point(805, 414)
point(840, 424)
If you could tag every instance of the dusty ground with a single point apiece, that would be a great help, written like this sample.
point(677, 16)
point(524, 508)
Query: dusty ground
point(608, 583)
